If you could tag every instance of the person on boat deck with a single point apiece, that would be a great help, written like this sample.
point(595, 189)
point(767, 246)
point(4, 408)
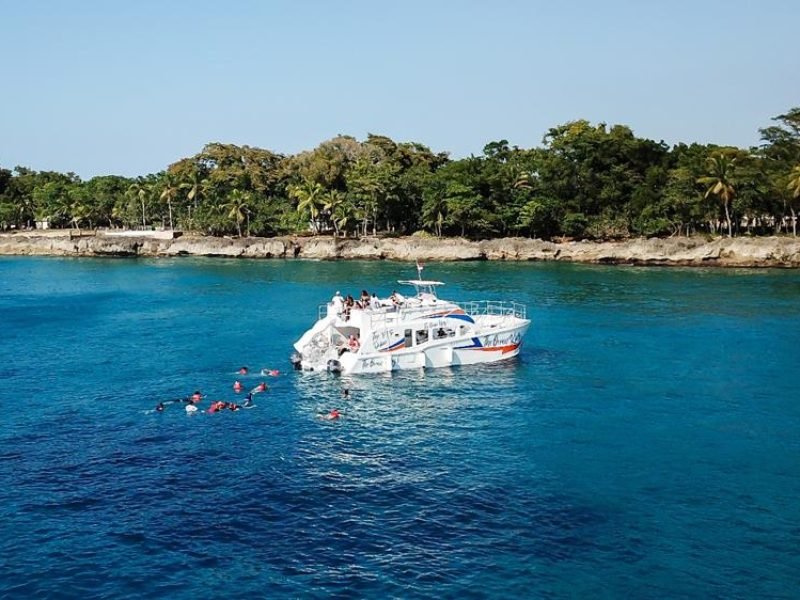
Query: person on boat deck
point(374, 303)
point(338, 302)
point(348, 306)
point(397, 298)
point(353, 344)
point(365, 298)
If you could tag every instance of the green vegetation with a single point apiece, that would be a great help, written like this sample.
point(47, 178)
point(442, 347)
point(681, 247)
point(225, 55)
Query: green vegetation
point(585, 181)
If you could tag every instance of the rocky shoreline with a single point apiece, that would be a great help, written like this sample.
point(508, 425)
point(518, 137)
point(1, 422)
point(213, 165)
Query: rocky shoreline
point(696, 251)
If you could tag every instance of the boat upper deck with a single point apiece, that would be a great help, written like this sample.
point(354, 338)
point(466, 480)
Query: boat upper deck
point(420, 308)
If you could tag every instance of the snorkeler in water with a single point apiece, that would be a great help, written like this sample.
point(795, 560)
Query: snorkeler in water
point(217, 406)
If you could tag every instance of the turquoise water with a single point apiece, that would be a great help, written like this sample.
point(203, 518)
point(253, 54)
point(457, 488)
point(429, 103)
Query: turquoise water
point(645, 443)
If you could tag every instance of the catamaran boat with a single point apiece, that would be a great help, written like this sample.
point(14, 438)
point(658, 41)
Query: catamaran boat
point(420, 331)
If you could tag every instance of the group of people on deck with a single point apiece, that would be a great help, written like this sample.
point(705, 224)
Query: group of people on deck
point(344, 304)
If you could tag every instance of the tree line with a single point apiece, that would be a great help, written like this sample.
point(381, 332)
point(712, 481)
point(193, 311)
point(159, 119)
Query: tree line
point(584, 181)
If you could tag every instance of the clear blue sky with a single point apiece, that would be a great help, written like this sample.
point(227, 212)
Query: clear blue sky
point(129, 87)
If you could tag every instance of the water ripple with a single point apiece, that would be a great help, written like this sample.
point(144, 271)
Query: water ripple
point(612, 458)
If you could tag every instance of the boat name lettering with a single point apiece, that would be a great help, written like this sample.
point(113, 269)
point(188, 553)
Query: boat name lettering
point(502, 339)
point(383, 338)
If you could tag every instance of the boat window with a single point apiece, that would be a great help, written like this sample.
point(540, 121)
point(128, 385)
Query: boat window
point(422, 336)
point(443, 332)
point(408, 338)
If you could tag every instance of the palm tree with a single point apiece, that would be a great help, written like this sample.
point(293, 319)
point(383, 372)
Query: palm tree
point(794, 188)
point(309, 199)
point(140, 191)
point(79, 212)
point(169, 192)
point(434, 213)
point(60, 209)
point(334, 206)
point(720, 182)
point(195, 184)
point(119, 214)
point(238, 209)
point(368, 189)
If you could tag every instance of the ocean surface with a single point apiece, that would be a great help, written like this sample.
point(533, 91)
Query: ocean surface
point(645, 443)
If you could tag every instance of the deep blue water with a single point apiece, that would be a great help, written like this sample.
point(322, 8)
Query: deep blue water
point(646, 443)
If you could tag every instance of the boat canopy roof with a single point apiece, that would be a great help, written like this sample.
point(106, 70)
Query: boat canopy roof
point(419, 282)
point(422, 286)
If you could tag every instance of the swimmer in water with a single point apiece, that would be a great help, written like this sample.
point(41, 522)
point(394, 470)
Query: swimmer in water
point(196, 397)
point(237, 387)
point(261, 387)
point(243, 371)
point(346, 394)
point(233, 406)
point(248, 400)
point(217, 406)
point(160, 407)
point(334, 414)
point(270, 372)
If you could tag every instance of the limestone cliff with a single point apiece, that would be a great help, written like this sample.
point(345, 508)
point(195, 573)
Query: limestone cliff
point(723, 252)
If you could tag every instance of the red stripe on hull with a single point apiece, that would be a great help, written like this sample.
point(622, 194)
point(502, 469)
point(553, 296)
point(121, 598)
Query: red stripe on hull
point(503, 349)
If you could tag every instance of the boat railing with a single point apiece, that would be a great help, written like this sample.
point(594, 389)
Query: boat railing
point(507, 308)
point(385, 312)
point(472, 307)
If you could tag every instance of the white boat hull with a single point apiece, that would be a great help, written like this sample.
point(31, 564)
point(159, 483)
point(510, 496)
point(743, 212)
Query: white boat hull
point(488, 348)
